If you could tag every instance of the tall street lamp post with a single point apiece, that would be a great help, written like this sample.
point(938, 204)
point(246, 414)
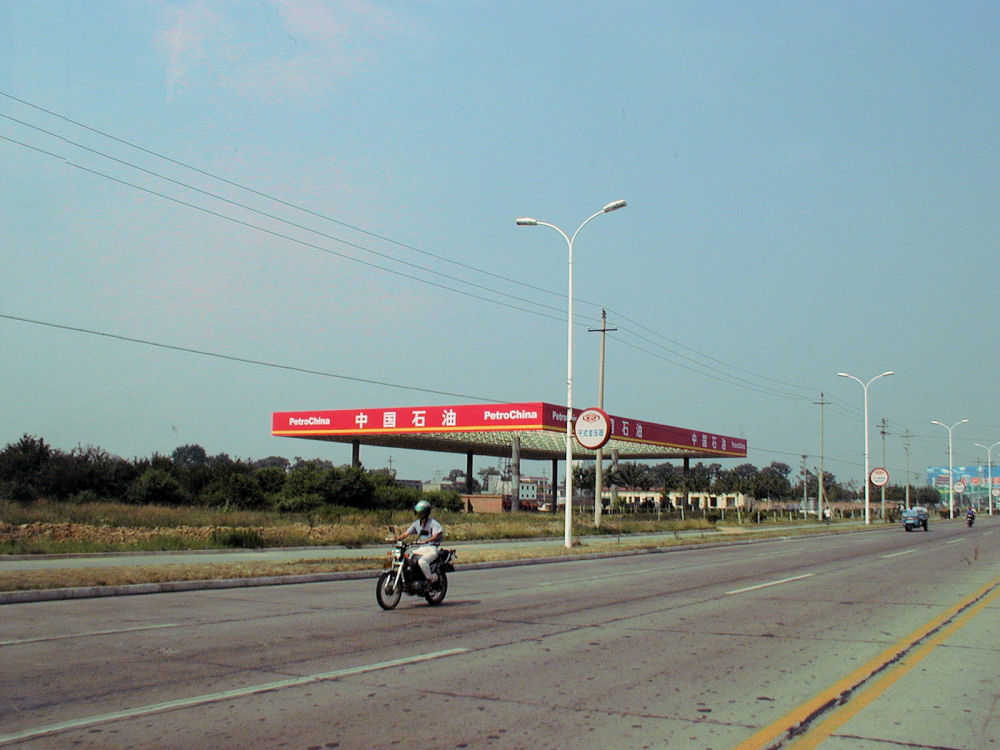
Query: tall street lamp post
point(989, 470)
point(530, 222)
point(864, 385)
point(951, 466)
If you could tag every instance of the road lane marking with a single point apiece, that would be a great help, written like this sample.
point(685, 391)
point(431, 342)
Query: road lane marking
point(897, 671)
point(88, 634)
point(955, 541)
point(843, 688)
point(198, 700)
point(769, 583)
point(897, 554)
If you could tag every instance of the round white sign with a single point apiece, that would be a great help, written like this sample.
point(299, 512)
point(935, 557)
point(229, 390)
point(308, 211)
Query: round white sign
point(880, 477)
point(592, 429)
point(959, 486)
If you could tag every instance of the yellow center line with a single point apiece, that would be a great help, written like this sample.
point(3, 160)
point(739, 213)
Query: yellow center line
point(841, 716)
point(773, 732)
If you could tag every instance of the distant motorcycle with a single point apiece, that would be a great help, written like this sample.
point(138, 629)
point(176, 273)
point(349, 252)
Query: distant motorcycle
point(404, 576)
point(969, 520)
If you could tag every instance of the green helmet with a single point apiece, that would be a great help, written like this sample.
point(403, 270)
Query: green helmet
point(422, 507)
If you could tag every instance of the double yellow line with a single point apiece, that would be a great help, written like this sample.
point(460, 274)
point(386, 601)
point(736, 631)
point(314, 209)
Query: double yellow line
point(881, 672)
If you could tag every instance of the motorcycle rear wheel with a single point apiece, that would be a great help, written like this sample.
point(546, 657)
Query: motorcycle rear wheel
point(387, 594)
point(436, 591)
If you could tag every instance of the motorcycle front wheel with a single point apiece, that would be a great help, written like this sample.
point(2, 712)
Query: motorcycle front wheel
point(387, 593)
point(436, 591)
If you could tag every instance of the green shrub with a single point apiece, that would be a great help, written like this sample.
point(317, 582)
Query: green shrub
point(156, 487)
point(85, 497)
point(300, 503)
point(239, 538)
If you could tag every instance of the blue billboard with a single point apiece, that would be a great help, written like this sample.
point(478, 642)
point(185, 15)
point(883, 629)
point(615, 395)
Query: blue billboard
point(976, 478)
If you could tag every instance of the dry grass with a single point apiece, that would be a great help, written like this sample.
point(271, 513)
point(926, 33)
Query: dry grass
point(112, 527)
point(130, 573)
point(134, 573)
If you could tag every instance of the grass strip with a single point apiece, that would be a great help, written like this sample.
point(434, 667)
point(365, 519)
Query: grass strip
point(131, 572)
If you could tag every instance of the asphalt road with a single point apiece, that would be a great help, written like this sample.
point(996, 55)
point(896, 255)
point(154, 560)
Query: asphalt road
point(726, 647)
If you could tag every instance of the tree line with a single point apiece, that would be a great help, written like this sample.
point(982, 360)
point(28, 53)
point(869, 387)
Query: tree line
point(773, 482)
point(30, 470)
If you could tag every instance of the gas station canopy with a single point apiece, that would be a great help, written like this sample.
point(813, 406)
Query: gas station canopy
point(490, 429)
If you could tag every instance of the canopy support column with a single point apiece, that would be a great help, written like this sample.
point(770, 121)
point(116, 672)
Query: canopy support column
point(515, 474)
point(555, 485)
point(468, 473)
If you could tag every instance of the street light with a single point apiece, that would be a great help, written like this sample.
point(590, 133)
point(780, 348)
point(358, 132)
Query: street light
point(527, 221)
point(989, 465)
point(865, 385)
point(951, 467)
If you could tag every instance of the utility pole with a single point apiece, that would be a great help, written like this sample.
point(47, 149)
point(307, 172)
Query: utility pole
point(599, 466)
point(882, 429)
point(805, 495)
point(906, 447)
point(820, 492)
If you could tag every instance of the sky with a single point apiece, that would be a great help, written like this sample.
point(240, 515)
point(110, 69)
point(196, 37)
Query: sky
point(217, 209)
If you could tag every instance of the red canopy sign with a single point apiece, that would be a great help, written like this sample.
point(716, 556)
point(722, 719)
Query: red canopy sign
point(379, 425)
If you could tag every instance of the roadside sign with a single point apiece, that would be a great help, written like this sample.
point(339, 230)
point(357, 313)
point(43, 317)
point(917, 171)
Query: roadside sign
point(592, 429)
point(959, 487)
point(879, 477)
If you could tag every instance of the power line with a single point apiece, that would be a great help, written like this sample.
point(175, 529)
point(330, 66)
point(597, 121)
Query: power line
point(245, 360)
point(275, 199)
point(711, 367)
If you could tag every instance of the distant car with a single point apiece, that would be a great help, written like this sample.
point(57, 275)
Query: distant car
point(914, 518)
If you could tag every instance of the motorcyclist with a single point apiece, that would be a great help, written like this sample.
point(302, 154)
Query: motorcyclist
point(429, 534)
point(970, 515)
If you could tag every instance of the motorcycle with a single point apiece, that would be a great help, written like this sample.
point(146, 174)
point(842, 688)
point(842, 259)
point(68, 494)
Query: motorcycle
point(969, 520)
point(404, 576)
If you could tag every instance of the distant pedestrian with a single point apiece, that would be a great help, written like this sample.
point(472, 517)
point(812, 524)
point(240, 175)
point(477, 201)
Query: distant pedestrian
point(826, 515)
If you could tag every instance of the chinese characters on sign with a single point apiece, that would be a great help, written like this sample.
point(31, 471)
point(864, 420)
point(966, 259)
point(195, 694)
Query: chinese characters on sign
point(349, 424)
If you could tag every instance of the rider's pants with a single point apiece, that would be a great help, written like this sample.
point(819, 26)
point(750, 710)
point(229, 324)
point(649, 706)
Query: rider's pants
point(426, 554)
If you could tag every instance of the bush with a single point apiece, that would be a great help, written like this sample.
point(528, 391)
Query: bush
point(299, 503)
point(239, 538)
point(156, 487)
point(271, 479)
point(241, 491)
point(395, 497)
point(18, 492)
point(445, 500)
point(85, 497)
point(354, 487)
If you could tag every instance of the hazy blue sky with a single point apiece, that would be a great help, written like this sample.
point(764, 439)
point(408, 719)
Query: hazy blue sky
point(331, 187)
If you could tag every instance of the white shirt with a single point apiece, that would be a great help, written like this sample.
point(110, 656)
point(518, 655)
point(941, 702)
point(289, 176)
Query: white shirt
point(425, 530)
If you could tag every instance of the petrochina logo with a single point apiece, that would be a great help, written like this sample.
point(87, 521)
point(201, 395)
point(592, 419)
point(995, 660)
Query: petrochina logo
point(590, 417)
point(512, 414)
point(308, 421)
